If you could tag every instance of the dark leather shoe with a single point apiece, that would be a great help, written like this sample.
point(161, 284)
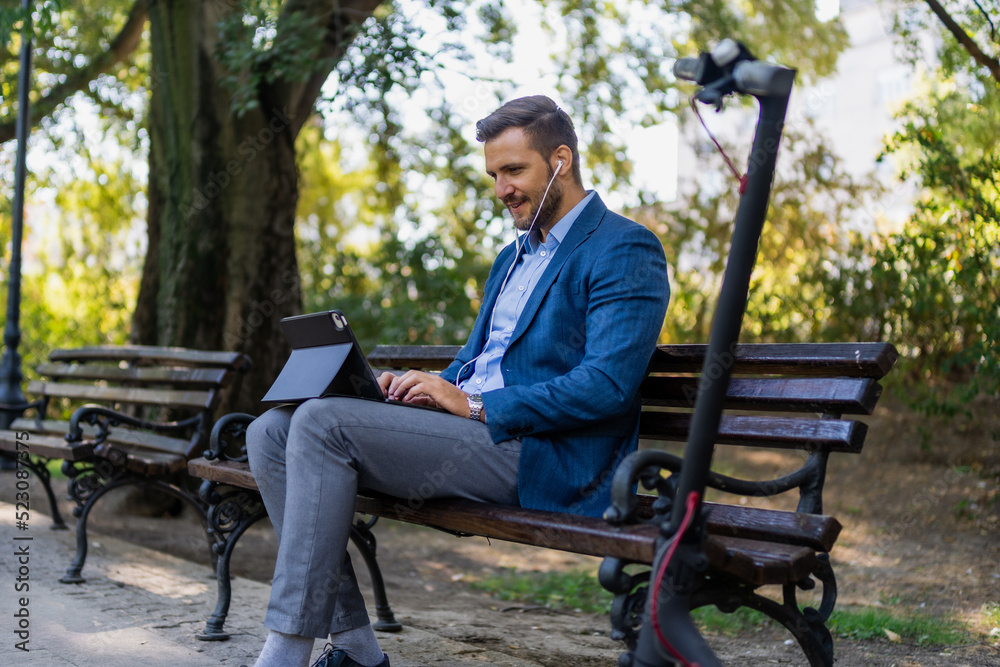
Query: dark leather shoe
point(334, 657)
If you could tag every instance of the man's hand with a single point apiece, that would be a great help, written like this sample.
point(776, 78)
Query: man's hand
point(425, 389)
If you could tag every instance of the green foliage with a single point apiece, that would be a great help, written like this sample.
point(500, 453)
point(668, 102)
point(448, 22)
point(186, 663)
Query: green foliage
point(783, 32)
point(81, 264)
point(400, 278)
point(40, 15)
point(403, 244)
point(68, 39)
point(812, 202)
point(933, 288)
point(251, 56)
point(740, 622)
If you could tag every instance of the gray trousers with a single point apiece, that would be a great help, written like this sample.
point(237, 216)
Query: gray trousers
point(309, 462)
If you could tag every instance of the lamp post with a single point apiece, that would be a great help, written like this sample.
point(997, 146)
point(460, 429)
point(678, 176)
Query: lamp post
point(11, 396)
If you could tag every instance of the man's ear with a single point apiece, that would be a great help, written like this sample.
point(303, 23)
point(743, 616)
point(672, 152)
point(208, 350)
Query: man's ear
point(562, 156)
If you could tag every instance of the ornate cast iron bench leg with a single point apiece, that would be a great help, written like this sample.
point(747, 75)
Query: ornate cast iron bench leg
point(230, 514)
point(89, 484)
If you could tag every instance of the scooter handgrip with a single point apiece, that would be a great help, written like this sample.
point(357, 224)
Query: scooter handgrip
point(687, 68)
point(756, 77)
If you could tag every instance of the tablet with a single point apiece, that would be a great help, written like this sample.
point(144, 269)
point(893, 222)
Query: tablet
point(326, 360)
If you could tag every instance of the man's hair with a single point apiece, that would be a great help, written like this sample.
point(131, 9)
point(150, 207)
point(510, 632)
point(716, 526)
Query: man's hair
point(545, 125)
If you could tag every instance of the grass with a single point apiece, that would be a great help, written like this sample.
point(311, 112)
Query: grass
point(908, 625)
point(573, 589)
point(991, 614)
point(579, 590)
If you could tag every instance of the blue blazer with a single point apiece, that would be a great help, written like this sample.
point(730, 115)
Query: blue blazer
point(574, 362)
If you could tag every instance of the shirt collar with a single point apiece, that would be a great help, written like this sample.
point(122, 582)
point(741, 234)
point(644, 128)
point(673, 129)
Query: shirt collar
point(560, 229)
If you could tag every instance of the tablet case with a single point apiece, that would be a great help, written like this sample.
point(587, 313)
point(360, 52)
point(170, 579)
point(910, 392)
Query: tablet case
point(326, 360)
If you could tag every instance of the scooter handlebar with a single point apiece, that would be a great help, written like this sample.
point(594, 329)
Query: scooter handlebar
point(755, 77)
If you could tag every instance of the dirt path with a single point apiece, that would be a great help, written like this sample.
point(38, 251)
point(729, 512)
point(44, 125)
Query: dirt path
point(921, 533)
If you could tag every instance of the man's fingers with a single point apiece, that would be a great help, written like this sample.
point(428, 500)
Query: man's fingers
point(384, 380)
point(402, 385)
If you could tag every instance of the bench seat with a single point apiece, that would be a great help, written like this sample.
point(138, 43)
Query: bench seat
point(761, 545)
point(144, 453)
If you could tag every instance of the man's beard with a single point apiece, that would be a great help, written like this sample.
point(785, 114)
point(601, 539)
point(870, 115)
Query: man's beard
point(552, 203)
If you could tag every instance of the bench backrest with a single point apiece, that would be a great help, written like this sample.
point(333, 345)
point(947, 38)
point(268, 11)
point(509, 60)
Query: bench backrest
point(131, 379)
point(789, 396)
point(827, 380)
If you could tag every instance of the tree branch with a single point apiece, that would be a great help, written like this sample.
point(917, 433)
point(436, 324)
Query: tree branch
point(124, 43)
point(992, 64)
point(986, 15)
point(343, 21)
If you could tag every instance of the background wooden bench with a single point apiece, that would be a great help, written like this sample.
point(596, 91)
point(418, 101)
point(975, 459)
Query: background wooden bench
point(118, 415)
point(783, 396)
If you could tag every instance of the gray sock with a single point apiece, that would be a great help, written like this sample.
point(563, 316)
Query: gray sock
point(360, 645)
point(281, 650)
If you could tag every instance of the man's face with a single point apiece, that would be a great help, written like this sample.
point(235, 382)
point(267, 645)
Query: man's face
point(520, 176)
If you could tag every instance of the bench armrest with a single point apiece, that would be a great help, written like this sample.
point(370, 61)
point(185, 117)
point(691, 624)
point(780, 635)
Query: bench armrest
point(227, 432)
point(647, 466)
point(105, 419)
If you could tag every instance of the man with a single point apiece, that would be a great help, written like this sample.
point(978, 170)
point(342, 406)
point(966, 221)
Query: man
point(538, 407)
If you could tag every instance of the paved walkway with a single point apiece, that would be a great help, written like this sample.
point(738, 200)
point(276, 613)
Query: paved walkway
point(142, 607)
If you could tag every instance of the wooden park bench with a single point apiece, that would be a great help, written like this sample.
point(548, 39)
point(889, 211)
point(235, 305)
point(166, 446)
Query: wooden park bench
point(115, 416)
point(783, 396)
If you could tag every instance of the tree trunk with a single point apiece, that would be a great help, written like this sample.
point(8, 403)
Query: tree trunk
point(220, 269)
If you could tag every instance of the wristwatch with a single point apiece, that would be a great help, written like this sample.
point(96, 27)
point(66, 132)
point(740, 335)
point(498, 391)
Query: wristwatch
point(476, 407)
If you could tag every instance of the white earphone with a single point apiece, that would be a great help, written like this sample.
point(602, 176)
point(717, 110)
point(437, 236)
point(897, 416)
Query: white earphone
point(559, 166)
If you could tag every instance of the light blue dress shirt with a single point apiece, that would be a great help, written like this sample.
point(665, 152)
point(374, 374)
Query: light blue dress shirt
point(530, 266)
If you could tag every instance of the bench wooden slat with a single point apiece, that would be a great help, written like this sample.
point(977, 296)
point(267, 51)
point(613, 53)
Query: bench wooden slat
point(760, 563)
point(815, 531)
point(138, 459)
point(46, 426)
point(566, 532)
point(122, 436)
point(151, 355)
point(234, 473)
point(194, 378)
point(143, 461)
point(856, 396)
point(588, 535)
point(426, 357)
point(872, 360)
point(201, 400)
point(45, 446)
point(760, 431)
